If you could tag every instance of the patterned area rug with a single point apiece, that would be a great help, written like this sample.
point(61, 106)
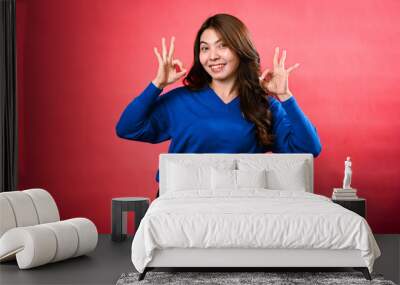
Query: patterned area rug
point(243, 278)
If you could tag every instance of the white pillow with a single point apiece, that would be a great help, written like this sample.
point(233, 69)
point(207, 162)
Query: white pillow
point(181, 177)
point(251, 178)
point(282, 174)
point(223, 179)
point(290, 179)
point(187, 174)
point(237, 179)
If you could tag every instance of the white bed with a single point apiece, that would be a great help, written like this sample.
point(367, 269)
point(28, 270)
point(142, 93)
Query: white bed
point(250, 210)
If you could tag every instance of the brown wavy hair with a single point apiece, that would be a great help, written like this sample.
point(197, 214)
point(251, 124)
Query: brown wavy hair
point(253, 99)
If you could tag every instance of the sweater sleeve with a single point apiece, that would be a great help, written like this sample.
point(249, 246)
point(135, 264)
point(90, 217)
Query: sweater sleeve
point(145, 118)
point(294, 133)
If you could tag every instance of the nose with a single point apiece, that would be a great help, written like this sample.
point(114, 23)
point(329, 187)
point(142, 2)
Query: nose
point(214, 54)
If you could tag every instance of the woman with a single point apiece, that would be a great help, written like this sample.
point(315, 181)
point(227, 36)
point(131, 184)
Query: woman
point(225, 106)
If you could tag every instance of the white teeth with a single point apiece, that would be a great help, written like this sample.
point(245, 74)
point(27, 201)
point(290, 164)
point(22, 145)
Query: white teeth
point(217, 67)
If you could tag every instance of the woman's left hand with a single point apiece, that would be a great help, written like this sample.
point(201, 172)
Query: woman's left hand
point(276, 81)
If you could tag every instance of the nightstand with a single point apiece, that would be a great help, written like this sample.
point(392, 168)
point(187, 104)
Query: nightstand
point(119, 209)
point(356, 205)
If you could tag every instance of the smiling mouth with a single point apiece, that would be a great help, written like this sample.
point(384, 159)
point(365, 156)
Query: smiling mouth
point(217, 67)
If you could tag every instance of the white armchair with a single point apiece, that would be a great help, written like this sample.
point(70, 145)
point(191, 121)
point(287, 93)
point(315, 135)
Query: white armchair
point(32, 233)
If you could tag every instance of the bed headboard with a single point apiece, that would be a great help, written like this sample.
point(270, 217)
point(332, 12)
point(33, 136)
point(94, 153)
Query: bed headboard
point(279, 161)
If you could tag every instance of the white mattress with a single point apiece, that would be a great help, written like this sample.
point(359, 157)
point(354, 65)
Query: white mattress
point(252, 218)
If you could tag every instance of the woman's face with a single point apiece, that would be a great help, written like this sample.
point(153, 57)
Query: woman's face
point(220, 62)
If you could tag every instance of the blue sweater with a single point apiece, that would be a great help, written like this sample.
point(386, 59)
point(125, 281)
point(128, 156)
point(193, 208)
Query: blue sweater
point(200, 122)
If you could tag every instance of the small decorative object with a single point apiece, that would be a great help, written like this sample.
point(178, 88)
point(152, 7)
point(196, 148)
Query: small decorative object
point(347, 192)
point(347, 174)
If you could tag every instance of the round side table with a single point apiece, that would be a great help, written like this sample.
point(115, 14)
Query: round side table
point(119, 209)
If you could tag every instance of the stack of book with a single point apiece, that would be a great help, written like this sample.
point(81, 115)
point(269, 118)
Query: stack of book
point(344, 194)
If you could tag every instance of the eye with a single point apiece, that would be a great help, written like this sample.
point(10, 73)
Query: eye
point(203, 48)
point(222, 45)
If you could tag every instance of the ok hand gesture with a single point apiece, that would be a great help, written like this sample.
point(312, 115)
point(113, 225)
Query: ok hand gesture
point(166, 73)
point(276, 81)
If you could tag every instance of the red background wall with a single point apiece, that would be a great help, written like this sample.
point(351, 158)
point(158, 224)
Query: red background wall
point(81, 62)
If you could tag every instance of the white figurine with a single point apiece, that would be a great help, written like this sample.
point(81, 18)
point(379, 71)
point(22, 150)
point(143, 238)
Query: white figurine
point(347, 174)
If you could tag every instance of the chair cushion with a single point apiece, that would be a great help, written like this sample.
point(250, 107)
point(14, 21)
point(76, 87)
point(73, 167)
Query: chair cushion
point(7, 218)
point(26, 208)
point(40, 244)
point(45, 205)
point(24, 211)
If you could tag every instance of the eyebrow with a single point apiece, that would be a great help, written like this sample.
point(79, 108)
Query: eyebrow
point(203, 42)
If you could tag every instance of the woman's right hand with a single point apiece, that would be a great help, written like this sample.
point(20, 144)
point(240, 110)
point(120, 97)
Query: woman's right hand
point(167, 73)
